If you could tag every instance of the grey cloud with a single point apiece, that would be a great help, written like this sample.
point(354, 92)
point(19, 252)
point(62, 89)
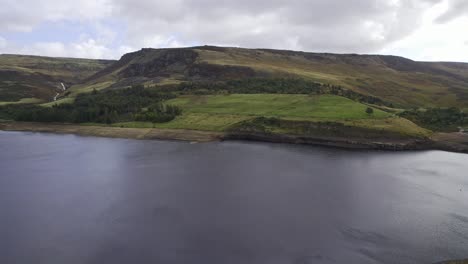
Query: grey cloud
point(26, 14)
point(315, 25)
point(319, 25)
point(456, 9)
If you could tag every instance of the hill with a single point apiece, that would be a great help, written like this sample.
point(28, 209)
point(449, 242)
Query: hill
point(370, 101)
point(32, 79)
point(398, 80)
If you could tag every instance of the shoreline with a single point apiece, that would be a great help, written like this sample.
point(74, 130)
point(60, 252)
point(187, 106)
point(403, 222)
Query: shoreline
point(114, 132)
point(452, 142)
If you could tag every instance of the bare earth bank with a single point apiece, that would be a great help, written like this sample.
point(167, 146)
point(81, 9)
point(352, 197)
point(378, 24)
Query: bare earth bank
point(455, 142)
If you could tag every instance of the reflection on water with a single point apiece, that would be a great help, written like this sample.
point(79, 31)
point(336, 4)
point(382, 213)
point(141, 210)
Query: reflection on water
point(70, 199)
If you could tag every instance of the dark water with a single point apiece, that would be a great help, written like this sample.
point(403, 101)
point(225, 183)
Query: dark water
point(70, 199)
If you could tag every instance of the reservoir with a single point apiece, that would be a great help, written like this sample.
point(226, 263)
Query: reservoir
point(71, 199)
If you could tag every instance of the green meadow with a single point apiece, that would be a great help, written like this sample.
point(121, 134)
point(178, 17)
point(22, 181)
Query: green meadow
point(295, 106)
point(219, 112)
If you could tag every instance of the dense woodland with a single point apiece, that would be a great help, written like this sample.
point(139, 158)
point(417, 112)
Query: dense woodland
point(132, 104)
point(438, 119)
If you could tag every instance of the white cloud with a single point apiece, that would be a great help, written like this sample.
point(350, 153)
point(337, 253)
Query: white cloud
point(434, 41)
point(454, 9)
point(413, 28)
point(321, 25)
point(87, 48)
point(26, 14)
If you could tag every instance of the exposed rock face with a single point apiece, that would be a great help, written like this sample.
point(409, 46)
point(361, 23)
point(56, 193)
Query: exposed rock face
point(169, 62)
point(181, 63)
point(219, 72)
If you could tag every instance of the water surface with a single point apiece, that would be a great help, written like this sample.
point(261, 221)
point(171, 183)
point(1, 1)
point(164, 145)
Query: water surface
point(70, 199)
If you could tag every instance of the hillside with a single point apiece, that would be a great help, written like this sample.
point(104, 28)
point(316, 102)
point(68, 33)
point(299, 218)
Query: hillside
point(29, 79)
point(401, 81)
point(369, 101)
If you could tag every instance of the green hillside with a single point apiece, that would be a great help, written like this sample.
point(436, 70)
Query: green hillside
point(26, 79)
point(326, 107)
point(222, 112)
point(401, 81)
point(219, 89)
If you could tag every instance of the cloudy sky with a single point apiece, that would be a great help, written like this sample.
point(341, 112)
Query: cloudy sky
point(417, 29)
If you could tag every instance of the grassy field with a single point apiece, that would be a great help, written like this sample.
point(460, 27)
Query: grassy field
point(219, 112)
point(222, 112)
point(207, 122)
point(24, 101)
point(66, 100)
point(304, 107)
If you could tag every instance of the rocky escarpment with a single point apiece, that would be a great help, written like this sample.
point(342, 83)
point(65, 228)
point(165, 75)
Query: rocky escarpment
point(157, 65)
point(163, 64)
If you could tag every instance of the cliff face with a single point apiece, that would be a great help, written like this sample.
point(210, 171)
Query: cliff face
point(161, 64)
point(179, 64)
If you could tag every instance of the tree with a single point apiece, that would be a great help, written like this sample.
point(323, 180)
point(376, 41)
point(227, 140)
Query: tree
point(369, 111)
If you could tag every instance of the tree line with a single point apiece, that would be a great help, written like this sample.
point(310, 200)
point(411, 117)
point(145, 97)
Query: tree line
point(110, 106)
point(438, 119)
point(272, 86)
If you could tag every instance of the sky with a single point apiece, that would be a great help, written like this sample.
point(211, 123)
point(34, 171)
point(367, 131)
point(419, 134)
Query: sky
point(427, 30)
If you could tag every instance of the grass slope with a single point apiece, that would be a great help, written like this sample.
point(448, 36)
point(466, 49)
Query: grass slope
point(306, 107)
point(395, 79)
point(221, 112)
point(23, 101)
point(404, 82)
point(40, 77)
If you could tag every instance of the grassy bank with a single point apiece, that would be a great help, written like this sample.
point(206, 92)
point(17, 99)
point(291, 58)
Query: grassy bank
point(219, 112)
point(297, 115)
point(223, 112)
